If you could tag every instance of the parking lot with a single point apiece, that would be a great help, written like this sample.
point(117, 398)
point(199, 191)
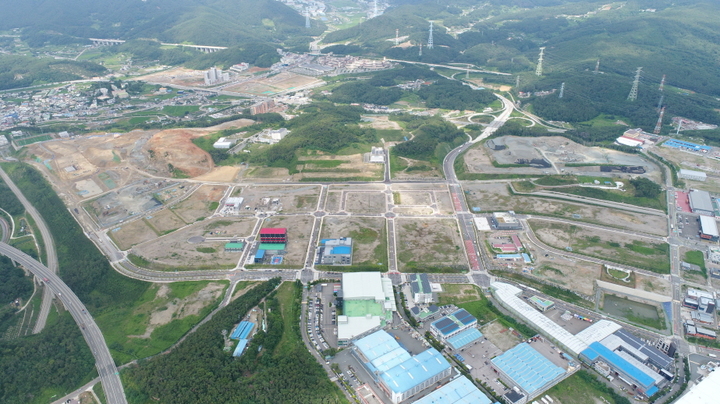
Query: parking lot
point(688, 226)
point(322, 317)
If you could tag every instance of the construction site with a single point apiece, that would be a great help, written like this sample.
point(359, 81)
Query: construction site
point(549, 155)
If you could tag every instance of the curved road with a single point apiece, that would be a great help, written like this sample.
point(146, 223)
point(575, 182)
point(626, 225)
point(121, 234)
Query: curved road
point(52, 263)
point(103, 361)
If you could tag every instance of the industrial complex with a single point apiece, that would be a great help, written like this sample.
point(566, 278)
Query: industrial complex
point(367, 301)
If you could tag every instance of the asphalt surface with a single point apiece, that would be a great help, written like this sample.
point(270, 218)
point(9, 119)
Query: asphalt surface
point(91, 332)
point(48, 243)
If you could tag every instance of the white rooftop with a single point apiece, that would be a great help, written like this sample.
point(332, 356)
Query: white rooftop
point(508, 294)
point(709, 226)
point(351, 327)
point(362, 286)
point(705, 392)
point(598, 331)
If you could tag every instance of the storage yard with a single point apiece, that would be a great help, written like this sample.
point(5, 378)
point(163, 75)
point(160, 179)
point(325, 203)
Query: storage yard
point(548, 155)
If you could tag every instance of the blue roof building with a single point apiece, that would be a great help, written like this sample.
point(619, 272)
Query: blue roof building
point(242, 330)
point(458, 391)
point(464, 338)
point(415, 374)
point(336, 251)
point(622, 363)
point(453, 324)
point(240, 347)
point(397, 373)
point(528, 369)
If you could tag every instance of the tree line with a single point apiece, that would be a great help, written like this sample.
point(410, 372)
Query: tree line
point(199, 371)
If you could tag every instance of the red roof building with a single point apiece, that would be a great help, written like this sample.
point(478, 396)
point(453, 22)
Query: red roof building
point(273, 235)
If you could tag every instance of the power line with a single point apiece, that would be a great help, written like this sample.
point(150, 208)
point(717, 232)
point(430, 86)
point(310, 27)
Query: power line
point(634, 90)
point(539, 70)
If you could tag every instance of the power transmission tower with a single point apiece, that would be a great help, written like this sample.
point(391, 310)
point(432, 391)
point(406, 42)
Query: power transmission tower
point(658, 126)
point(397, 37)
point(375, 11)
point(517, 81)
point(660, 103)
point(307, 18)
point(662, 83)
point(597, 67)
point(562, 90)
point(420, 54)
point(430, 38)
point(539, 70)
point(634, 90)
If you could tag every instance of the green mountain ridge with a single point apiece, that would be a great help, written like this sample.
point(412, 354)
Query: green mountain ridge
point(206, 22)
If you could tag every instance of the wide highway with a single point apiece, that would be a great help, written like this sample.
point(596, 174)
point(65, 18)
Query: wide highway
point(91, 332)
point(52, 262)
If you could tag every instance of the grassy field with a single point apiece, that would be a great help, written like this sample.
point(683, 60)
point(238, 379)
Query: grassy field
point(697, 258)
point(646, 255)
point(122, 326)
point(577, 390)
point(180, 110)
point(554, 291)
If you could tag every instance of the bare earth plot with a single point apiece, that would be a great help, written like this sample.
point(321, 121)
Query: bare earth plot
point(429, 243)
point(368, 233)
point(575, 275)
point(332, 202)
point(692, 161)
point(499, 335)
point(365, 202)
point(616, 247)
point(298, 230)
point(493, 197)
point(132, 233)
point(270, 174)
point(197, 206)
point(416, 169)
point(230, 227)
point(290, 199)
point(165, 221)
point(351, 166)
point(174, 251)
point(285, 81)
point(454, 293)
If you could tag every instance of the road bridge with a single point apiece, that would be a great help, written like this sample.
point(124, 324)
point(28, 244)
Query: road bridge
point(91, 332)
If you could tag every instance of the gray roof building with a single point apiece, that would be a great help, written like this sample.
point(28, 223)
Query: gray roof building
point(701, 203)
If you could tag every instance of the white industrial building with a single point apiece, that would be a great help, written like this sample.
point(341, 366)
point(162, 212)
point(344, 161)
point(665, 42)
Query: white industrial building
point(421, 290)
point(708, 228)
point(508, 297)
point(505, 221)
point(368, 303)
point(377, 155)
point(705, 392)
point(234, 202)
point(692, 175)
point(215, 76)
point(223, 143)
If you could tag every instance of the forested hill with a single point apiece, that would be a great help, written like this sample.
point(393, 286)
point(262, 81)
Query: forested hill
point(206, 22)
point(680, 39)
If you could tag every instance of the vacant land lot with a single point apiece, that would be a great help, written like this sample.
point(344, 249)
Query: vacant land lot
point(500, 335)
point(456, 293)
point(299, 228)
point(175, 252)
point(132, 233)
point(497, 197)
point(164, 221)
point(365, 202)
point(425, 244)
point(286, 199)
point(368, 233)
point(616, 247)
point(200, 204)
point(338, 167)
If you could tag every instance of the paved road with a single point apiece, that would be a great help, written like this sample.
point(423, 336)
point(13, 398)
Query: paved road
point(48, 243)
point(5, 228)
point(103, 361)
